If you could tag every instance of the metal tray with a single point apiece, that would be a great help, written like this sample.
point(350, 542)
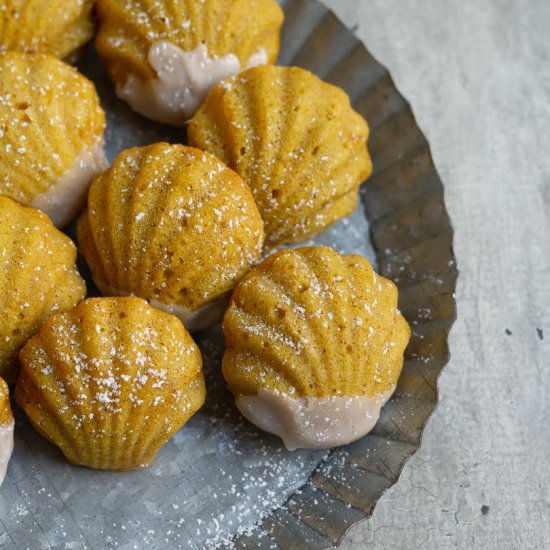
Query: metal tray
point(220, 482)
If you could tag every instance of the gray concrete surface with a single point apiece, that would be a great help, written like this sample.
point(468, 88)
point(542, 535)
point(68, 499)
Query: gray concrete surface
point(477, 73)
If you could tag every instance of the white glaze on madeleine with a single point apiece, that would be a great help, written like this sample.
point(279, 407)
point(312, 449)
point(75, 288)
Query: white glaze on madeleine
point(183, 80)
point(6, 448)
point(313, 422)
point(66, 197)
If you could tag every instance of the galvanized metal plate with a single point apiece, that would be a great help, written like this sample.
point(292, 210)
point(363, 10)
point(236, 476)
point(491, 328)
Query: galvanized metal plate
point(220, 482)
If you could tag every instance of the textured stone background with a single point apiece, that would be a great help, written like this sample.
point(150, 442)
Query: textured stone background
point(478, 76)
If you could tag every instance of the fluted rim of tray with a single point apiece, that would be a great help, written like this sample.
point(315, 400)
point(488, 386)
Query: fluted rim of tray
point(413, 239)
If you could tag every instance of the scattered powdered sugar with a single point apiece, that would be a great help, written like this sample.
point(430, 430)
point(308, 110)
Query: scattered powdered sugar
point(101, 383)
point(347, 236)
point(217, 477)
point(38, 274)
point(192, 233)
point(45, 108)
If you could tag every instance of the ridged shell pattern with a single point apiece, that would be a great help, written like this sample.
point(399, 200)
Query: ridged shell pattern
point(49, 115)
point(38, 276)
point(128, 29)
point(294, 139)
point(6, 416)
point(110, 382)
point(310, 322)
point(57, 27)
point(172, 224)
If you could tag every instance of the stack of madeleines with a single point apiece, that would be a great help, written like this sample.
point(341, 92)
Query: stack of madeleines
point(174, 235)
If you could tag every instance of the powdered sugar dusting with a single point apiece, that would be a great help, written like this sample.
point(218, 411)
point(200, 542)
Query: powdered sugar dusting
point(186, 499)
point(49, 115)
point(118, 374)
point(188, 227)
point(216, 477)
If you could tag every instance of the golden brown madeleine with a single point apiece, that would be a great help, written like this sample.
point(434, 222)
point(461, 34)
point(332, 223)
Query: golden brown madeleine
point(51, 134)
point(38, 275)
point(173, 225)
point(6, 416)
point(294, 139)
point(6, 429)
point(164, 55)
point(315, 346)
point(110, 381)
point(57, 27)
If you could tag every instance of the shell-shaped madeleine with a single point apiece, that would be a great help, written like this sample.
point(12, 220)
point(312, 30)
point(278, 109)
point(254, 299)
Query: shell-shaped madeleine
point(312, 322)
point(174, 226)
point(315, 346)
point(51, 134)
point(6, 429)
point(164, 55)
point(294, 139)
point(38, 275)
point(110, 382)
point(57, 27)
